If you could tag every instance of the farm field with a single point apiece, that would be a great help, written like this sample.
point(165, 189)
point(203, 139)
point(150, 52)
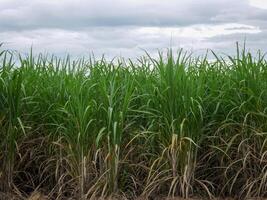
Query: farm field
point(176, 125)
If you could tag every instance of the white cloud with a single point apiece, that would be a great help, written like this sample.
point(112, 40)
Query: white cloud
point(125, 41)
point(198, 31)
point(262, 4)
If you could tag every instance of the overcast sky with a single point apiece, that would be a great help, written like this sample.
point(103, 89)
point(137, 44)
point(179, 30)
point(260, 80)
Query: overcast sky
point(126, 27)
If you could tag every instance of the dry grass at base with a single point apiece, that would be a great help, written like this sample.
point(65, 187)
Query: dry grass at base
point(37, 196)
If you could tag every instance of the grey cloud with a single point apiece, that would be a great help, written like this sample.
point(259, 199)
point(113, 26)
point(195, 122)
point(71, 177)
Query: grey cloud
point(21, 15)
point(125, 27)
point(226, 43)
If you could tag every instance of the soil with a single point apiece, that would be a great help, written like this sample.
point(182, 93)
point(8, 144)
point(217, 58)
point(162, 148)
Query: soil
point(40, 196)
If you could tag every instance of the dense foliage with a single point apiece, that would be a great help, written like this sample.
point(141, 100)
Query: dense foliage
point(177, 125)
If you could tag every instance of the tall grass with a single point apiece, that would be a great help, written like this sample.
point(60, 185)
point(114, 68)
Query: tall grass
point(176, 125)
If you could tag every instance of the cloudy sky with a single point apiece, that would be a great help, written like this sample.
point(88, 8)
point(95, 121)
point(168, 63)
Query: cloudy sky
point(128, 27)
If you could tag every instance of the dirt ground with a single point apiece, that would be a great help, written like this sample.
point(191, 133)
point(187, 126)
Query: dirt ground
point(39, 196)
